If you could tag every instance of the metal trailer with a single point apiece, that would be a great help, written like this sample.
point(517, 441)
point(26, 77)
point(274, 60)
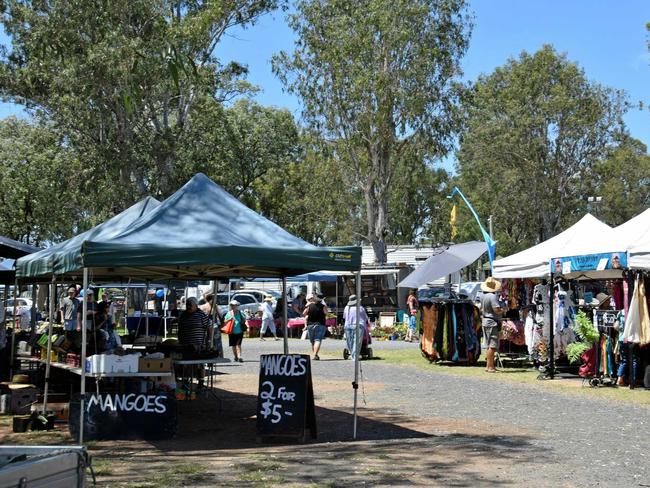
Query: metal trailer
point(43, 466)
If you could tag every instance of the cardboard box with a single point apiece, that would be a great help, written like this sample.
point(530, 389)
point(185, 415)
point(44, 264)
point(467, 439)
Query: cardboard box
point(155, 365)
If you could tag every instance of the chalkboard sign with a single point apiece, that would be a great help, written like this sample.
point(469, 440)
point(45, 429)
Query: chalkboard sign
point(605, 318)
point(285, 401)
point(147, 416)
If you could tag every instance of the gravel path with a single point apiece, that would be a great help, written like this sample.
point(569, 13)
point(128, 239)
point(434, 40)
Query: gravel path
point(553, 438)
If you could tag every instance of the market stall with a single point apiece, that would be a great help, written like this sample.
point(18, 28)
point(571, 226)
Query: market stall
point(227, 240)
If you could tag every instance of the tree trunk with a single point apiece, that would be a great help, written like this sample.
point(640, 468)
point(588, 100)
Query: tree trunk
point(376, 209)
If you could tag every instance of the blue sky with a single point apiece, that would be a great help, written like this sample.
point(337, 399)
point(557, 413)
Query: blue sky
point(606, 38)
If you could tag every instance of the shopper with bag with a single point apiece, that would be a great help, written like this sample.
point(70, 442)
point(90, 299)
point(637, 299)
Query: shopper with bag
point(234, 324)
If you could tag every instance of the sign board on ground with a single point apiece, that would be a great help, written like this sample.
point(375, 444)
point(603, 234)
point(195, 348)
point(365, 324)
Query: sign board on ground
point(285, 400)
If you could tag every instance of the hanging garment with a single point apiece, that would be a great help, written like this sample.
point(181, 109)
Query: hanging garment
point(541, 302)
point(529, 332)
point(429, 322)
point(632, 331)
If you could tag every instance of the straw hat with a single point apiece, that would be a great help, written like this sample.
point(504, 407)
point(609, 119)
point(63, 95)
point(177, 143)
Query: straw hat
point(268, 298)
point(490, 285)
point(18, 382)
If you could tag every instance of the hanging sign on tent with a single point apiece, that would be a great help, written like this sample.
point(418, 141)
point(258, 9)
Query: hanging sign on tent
point(285, 402)
point(589, 262)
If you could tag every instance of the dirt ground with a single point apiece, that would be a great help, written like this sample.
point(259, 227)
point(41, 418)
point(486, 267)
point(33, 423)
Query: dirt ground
point(216, 448)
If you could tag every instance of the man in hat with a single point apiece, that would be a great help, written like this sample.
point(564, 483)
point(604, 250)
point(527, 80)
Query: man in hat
point(350, 324)
point(491, 312)
point(268, 322)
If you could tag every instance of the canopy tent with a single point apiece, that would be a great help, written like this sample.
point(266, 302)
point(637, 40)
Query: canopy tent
point(66, 256)
point(447, 261)
point(636, 232)
point(202, 231)
point(7, 272)
point(587, 236)
point(13, 249)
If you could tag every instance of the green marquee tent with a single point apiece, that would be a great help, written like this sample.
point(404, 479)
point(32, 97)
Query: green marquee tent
point(65, 257)
point(201, 231)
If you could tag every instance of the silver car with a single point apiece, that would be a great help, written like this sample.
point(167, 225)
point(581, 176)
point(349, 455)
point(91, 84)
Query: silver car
point(248, 303)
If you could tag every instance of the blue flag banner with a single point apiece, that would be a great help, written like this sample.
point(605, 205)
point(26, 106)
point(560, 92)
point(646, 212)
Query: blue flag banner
point(490, 243)
point(589, 262)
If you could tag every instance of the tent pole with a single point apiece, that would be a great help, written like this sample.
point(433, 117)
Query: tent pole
point(165, 307)
point(32, 318)
point(13, 331)
point(285, 315)
point(213, 311)
point(49, 343)
point(357, 351)
point(146, 310)
point(84, 339)
point(551, 334)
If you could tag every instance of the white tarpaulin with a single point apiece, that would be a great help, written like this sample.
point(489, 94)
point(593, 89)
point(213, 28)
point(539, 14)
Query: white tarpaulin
point(636, 232)
point(587, 236)
point(448, 261)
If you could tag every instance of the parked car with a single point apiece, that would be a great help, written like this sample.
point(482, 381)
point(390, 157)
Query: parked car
point(22, 303)
point(248, 303)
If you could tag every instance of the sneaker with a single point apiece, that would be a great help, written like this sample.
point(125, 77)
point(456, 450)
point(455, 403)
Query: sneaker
point(316, 358)
point(241, 360)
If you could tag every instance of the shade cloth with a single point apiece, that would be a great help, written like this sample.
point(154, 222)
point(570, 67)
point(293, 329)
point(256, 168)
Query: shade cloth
point(448, 261)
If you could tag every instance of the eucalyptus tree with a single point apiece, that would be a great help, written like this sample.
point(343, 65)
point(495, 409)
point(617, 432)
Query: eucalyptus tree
point(377, 78)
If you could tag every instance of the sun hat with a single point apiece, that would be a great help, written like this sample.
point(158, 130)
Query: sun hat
point(352, 300)
point(268, 298)
point(490, 285)
point(234, 303)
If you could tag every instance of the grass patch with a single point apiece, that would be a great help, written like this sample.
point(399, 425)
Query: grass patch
point(261, 472)
point(102, 468)
point(412, 358)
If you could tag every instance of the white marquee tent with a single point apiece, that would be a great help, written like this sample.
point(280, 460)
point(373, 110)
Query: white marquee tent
point(587, 236)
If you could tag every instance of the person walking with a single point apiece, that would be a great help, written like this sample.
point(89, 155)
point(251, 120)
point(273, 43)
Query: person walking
point(268, 321)
point(352, 334)
point(412, 306)
point(491, 312)
point(236, 337)
point(314, 314)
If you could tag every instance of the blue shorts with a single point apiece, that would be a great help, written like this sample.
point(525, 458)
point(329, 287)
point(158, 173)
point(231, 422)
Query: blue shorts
point(316, 332)
point(70, 324)
point(413, 322)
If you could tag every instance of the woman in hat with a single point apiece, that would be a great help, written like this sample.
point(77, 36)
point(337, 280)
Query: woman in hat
point(236, 337)
point(491, 311)
point(268, 321)
point(352, 334)
point(314, 314)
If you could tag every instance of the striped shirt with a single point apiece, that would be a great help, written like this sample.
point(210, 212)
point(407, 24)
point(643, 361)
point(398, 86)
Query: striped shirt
point(193, 329)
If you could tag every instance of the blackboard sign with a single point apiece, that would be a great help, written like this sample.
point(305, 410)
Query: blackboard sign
point(147, 416)
point(605, 318)
point(285, 401)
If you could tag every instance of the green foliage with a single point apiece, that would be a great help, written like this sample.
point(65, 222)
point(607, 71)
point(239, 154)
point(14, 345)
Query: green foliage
point(584, 328)
point(536, 127)
point(622, 180)
point(118, 79)
point(586, 332)
point(377, 79)
point(41, 181)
